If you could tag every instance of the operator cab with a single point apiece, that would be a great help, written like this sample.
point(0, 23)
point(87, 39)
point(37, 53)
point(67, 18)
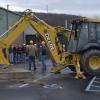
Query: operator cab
point(85, 34)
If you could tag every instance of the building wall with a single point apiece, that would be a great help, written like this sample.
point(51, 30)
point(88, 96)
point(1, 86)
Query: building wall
point(7, 20)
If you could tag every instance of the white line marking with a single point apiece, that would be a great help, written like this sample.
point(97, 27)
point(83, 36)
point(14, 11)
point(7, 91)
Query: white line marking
point(43, 77)
point(53, 86)
point(23, 85)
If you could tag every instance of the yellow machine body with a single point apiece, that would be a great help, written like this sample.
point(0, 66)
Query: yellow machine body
point(48, 34)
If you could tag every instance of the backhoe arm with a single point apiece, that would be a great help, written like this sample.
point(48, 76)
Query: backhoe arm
point(48, 34)
point(17, 30)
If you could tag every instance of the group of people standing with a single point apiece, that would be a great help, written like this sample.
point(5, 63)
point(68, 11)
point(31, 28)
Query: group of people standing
point(19, 53)
point(33, 51)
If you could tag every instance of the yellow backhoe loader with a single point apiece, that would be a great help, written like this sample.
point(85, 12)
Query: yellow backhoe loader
point(83, 47)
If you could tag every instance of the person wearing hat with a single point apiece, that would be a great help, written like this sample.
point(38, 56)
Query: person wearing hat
point(43, 55)
point(31, 54)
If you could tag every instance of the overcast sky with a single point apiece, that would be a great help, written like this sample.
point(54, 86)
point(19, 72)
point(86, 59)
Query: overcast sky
point(89, 8)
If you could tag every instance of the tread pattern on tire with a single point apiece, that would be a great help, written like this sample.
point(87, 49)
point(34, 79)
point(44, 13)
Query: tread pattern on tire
point(85, 59)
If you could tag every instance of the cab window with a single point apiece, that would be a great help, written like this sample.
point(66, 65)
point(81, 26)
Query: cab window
point(84, 31)
point(92, 32)
point(83, 36)
point(98, 31)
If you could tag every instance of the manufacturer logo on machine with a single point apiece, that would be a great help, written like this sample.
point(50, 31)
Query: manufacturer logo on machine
point(49, 41)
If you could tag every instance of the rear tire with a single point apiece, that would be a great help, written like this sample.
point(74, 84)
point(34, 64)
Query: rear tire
point(90, 62)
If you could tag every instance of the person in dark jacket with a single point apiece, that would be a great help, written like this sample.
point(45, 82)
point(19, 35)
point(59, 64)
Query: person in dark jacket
point(19, 52)
point(11, 54)
point(15, 54)
point(43, 55)
point(24, 53)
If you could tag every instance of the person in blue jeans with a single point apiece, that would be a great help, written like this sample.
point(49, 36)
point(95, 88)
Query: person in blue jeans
point(11, 54)
point(15, 54)
point(43, 55)
point(31, 54)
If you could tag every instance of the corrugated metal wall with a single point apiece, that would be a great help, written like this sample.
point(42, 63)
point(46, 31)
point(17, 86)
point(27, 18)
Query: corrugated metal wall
point(8, 19)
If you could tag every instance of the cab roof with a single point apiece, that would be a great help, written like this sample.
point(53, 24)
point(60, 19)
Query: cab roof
point(87, 20)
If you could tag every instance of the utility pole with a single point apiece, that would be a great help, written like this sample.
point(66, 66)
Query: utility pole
point(47, 8)
point(66, 24)
point(7, 18)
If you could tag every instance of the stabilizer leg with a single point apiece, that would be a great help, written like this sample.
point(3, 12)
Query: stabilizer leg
point(79, 73)
point(58, 68)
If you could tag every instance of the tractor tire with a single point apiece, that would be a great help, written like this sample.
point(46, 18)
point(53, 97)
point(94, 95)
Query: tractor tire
point(90, 62)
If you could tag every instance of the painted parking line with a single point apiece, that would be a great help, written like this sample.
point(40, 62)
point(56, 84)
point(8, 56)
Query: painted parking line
point(17, 85)
point(52, 86)
point(23, 85)
point(42, 77)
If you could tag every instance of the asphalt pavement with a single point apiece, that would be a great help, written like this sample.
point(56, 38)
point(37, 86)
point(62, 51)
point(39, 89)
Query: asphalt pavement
point(47, 86)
